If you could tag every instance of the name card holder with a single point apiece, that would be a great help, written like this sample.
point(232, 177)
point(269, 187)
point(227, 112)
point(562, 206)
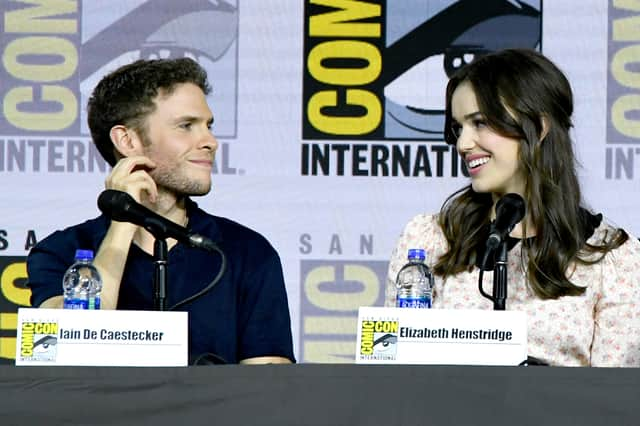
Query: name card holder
point(101, 338)
point(440, 336)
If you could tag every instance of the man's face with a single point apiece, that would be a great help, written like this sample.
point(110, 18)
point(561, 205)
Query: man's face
point(179, 140)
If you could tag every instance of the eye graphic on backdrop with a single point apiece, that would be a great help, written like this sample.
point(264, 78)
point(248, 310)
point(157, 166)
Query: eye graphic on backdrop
point(163, 29)
point(419, 62)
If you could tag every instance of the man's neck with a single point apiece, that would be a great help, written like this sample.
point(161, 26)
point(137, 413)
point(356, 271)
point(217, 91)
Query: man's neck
point(168, 206)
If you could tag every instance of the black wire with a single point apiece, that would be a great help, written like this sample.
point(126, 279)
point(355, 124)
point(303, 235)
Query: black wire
point(223, 267)
point(482, 267)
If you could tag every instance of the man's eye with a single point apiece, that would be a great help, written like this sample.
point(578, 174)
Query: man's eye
point(186, 126)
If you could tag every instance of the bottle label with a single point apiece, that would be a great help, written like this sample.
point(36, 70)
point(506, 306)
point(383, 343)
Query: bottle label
point(94, 302)
point(413, 302)
point(76, 304)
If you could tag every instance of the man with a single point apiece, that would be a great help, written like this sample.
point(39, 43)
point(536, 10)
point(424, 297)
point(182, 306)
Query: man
point(151, 122)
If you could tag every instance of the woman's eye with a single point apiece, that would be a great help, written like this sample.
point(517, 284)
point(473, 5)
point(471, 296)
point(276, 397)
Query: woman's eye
point(479, 123)
point(456, 129)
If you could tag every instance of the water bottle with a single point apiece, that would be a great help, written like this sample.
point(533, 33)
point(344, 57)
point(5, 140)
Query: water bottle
point(414, 282)
point(81, 283)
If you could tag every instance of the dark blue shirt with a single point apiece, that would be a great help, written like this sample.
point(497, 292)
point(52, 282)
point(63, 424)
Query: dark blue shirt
point(244, 315)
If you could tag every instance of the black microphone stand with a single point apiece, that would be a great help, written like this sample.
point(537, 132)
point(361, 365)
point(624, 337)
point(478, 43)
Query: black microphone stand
point(160, 255)
point(500, 278)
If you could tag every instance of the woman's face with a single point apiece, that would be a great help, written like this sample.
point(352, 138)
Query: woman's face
point(492, 159)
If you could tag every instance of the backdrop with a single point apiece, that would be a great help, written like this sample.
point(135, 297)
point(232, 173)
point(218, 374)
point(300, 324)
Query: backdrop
point(329, 114)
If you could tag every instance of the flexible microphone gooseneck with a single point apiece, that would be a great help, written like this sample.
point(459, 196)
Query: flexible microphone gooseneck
point(510, 210)
point(121, 207)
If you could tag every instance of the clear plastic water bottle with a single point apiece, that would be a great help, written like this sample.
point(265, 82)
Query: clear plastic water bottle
point(81, 283)
point(414, 282)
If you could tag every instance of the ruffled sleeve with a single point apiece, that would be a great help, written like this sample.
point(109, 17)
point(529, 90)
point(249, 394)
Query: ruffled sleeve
point(616, 339)
point(422, 232)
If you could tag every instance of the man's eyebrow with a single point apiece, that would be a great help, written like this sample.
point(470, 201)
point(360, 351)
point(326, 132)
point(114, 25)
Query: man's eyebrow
point(192, 118)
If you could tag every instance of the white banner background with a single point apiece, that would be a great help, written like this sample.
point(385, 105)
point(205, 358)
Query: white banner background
point(331, 214)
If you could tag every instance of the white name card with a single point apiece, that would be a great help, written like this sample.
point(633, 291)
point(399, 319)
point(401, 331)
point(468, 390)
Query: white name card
point(440, 336)
point(101, 338)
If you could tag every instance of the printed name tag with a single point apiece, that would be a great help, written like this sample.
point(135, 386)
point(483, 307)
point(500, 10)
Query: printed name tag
point(101, 338)
point(440, 336)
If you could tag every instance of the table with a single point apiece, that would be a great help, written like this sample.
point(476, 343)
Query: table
point(319, 394)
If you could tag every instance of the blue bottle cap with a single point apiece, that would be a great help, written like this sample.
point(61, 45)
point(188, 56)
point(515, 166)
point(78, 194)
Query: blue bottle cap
point(84, 254)
point(416, 254)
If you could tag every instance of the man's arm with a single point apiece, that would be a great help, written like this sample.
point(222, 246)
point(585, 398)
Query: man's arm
point(53, 303)
point(266, 360)
point(128, 175)
point(267, 331)
point(110, 261)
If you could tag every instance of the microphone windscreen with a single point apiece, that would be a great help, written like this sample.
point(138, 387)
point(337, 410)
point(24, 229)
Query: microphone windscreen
point(118, 205)
point(511, 207)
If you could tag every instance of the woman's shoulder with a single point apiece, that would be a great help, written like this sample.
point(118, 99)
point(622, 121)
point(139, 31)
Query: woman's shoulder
point(424, 224)
point(606, 232)
point(424, 231)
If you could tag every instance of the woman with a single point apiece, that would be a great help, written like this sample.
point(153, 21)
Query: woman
point(576, 277)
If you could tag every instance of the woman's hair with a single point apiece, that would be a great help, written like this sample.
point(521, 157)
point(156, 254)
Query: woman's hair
point(516, 91)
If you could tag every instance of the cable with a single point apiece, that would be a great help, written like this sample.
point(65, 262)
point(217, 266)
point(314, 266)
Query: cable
point(223, 267)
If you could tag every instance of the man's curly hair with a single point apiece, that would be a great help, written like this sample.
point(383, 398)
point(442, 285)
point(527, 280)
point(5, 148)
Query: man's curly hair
point(126, 96)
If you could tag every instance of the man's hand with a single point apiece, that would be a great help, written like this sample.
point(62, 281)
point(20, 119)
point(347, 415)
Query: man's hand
point(131, 175)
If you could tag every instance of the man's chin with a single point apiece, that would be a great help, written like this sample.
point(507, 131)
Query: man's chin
point(198, 193)
point(187, 190)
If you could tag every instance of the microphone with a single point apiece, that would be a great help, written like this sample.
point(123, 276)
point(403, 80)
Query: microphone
point(121, 207)
point(510, 210)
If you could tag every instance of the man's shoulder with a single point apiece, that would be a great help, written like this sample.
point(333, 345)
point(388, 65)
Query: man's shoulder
point(87, 234)
point(228, 231)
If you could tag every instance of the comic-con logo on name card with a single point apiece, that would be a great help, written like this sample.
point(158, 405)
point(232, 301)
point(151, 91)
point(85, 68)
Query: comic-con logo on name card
point(38, 341)
point(379, 339)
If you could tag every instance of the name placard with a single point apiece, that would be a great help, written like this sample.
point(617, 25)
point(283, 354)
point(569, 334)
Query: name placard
point(101, 338)
point(440, 336)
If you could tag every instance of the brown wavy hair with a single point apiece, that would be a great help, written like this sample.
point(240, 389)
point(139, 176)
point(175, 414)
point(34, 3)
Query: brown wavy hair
point(516, 90)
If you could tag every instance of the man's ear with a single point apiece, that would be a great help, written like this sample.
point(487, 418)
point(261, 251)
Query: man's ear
point(545, 127)
point(125, 140)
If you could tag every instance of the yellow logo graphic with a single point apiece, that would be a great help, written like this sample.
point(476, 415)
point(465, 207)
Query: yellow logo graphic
point(38, 341)
point(378, 339)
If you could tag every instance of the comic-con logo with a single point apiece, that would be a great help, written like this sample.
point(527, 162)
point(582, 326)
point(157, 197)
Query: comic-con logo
point(331, 293)
point(622, 151)
point(378, 69)
point(378, 339)
point(55, 52)
point(38, 341)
